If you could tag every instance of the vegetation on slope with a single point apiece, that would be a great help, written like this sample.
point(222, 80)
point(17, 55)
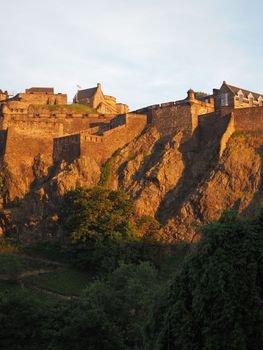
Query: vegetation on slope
point(105, 175)
point(135, 292)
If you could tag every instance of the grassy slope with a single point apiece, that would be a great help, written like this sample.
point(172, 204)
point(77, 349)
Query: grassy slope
point(73, 108)
point(67, 282)
point(13, 264)
point(60, 277)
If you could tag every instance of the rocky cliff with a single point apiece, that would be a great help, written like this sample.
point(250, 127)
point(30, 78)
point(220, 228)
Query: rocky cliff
point(183, 183)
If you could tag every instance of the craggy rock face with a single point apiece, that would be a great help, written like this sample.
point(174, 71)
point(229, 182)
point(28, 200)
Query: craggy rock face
point(183, 182)
point(182, 188)
point(235, 182)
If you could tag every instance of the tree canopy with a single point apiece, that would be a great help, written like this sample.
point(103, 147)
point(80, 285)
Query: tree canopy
point(216, 300)
point(105, 230)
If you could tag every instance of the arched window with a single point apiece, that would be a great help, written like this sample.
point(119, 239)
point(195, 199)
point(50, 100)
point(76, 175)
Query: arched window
point(260, 99)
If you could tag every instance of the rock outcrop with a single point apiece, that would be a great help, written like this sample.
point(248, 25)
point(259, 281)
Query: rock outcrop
point(182, 184)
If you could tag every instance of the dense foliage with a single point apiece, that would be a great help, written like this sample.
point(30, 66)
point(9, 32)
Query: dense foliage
point(216, 301)
point(105, 231)
point(97, 213)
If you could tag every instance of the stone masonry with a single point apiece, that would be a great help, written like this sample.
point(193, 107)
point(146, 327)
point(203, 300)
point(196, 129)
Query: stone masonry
point(39, 123)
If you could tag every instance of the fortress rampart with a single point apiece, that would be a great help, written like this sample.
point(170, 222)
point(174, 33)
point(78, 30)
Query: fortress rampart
point(249, 119)
point(47, 96)
point(55, 122)
point(182, 115)
point(223, 123)
point(122, 130)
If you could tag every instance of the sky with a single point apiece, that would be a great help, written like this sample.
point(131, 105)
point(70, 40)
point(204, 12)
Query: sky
point(142, 51)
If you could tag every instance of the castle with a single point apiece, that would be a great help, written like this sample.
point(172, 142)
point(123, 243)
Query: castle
point(39, 122)
point(104, 104)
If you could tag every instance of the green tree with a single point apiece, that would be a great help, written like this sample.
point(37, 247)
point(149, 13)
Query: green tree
point(216, 300)
point(124, 299)
point(88, 214)
point(23, 321)
point(200, 94)
point(85, 326)
point(148, 228)
point(98, 222)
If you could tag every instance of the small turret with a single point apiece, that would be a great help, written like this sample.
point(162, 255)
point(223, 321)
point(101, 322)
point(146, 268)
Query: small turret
point(191, 94)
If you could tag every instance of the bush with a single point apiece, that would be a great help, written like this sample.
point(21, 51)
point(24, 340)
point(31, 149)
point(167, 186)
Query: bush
point(105, 175)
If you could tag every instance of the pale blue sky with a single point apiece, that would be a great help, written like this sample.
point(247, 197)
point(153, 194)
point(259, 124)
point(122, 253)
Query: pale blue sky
point(142, 51)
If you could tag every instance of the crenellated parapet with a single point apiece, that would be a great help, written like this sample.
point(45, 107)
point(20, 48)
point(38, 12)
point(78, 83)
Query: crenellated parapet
point(100, 146)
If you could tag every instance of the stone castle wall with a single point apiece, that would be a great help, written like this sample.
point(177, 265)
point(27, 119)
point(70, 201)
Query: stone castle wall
point(21, 149)
point(56, 123)
point(66, 148)
point(42, 98)
point(173, 116)
point(32, 125)
point(122, 130)
point(223, 123)
point(3, 135)
point(249, 119)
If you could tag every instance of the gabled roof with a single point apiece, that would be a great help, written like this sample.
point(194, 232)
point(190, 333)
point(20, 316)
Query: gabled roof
point(236, 89)
point(87, 93)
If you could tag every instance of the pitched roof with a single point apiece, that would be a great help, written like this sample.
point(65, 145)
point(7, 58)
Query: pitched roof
point(87, 93)
point(236, 89)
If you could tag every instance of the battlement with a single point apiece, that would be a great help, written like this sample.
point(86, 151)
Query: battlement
point(88, 143)
point(40, 90)
point(39, 95)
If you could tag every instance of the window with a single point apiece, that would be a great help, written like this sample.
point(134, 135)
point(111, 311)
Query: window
point(224, 100)
point(260, 101)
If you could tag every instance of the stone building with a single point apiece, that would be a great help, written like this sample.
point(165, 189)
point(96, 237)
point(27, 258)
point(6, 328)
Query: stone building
point(234, 97)
point(3, 95)
point(41, 95)
point(104, 104)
